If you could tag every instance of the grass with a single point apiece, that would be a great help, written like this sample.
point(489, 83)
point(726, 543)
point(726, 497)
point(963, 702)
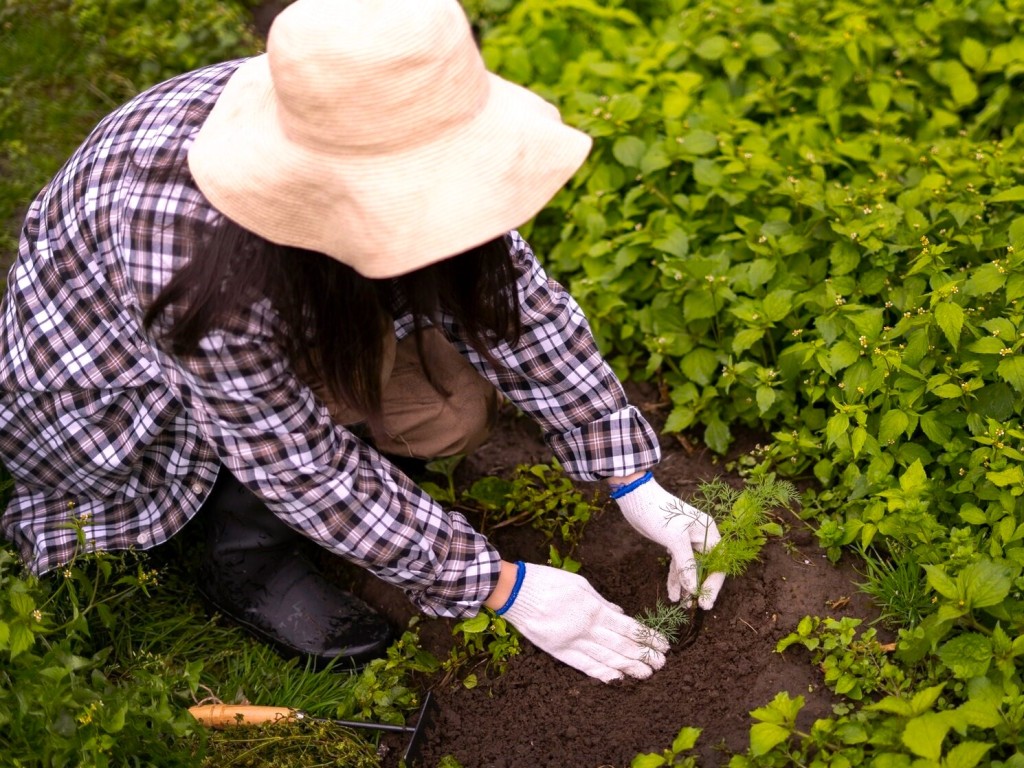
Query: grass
point(896, 584)
point(119, 646)
point(49, 106)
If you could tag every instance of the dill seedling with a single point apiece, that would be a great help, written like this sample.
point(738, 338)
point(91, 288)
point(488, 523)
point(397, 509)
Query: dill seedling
point(743, 521)
point(666, 619)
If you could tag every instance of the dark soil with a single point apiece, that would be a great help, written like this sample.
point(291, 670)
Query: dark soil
point(543, 713)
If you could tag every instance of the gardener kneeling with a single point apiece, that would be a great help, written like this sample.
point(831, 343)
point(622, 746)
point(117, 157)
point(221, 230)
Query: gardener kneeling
point(255, 280)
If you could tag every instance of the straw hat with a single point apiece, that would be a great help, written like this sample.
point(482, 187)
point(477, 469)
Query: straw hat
point(371, 131)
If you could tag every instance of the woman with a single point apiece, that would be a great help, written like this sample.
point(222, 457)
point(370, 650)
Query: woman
point(242, 261)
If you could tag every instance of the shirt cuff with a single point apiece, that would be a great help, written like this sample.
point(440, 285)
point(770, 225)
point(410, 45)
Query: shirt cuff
point(464, 579)
point(619, 443)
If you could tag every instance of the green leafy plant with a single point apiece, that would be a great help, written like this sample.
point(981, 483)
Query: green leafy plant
point(539, 495)
point(673, 756)
point(487, 641)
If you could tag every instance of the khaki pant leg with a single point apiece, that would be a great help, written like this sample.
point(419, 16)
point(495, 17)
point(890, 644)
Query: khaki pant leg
point(421, 422)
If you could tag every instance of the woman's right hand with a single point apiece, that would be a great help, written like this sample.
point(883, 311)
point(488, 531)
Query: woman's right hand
point(563, 615)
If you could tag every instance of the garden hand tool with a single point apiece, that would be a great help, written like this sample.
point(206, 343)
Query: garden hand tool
point(563, 615)
point(229, 715)
point(677, 526)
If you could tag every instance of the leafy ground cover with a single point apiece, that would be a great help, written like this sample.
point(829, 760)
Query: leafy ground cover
point(801, 218)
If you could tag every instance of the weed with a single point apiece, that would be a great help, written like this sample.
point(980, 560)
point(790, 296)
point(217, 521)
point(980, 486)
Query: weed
point(672, 757)
point(486, 640)
point(897, 585)
point(539, 495)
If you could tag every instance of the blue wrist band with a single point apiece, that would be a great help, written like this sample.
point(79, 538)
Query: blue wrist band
point(618, 491)
point(520, 575)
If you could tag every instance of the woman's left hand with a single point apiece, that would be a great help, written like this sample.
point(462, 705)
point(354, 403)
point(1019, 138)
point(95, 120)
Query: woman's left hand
point(682, 530)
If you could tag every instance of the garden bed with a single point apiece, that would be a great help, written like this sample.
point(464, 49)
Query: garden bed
point(543, 713)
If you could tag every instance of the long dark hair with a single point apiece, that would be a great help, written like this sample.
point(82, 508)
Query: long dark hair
point(334, 320)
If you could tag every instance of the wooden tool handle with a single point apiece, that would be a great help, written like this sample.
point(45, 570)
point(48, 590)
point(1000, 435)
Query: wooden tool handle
point(228, 715)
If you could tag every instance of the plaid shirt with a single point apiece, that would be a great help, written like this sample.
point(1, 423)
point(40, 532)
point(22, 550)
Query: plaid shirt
point(99, 421)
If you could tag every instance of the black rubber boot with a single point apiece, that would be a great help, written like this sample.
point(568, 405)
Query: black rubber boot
point(257, 571)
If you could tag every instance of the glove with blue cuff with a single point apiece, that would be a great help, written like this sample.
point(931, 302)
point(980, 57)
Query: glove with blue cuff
point(677, 526)
point(563, 615)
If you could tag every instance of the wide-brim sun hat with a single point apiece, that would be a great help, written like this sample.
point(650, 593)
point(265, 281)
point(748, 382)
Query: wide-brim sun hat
point(372, 132)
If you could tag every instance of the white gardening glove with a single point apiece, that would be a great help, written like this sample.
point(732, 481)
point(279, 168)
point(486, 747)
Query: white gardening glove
point(678, 527)
point(564, 616)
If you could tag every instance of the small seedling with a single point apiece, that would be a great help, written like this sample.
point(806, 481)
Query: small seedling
point(665, 619)
point(743, 519)
point(485, 640)
point(539, 495)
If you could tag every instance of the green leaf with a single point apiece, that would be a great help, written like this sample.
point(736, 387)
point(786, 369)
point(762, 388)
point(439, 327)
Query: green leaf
point(699, 365)
point(837, 427)
point(940, 581)
point(698, 142)
point(1017, 234)
point(699, 305)
point(679, 419)
point(986, 345)
point(1011, 195)
point(746, 338)
point(478, 623)
point(935, 427)
point(857, 440)
point(880, 95)
point(113, 722)
point(966, 754)
point(1011, 370)
point(924, 735)
point(973, 53)
point(21, 603)
point(1011, 476)
point(893, 705)
point(954, 76)
point(984, 280)
point(21, 639)
point(765, 399)
point(712, 48)
point(893, 424)
point(655, 159)
point(986, 583)
point(950, 317)
point(707, 172)
point(843, 354)
point(914, 480)
point(947, 391)
point(967, 655)
point(648, 761)
point(677, 242)
point(983, 709)
point(763, 45)
point(778, 304)
point(717, 435)
point(766, 736)
point(629, 150)
point(685, 739)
